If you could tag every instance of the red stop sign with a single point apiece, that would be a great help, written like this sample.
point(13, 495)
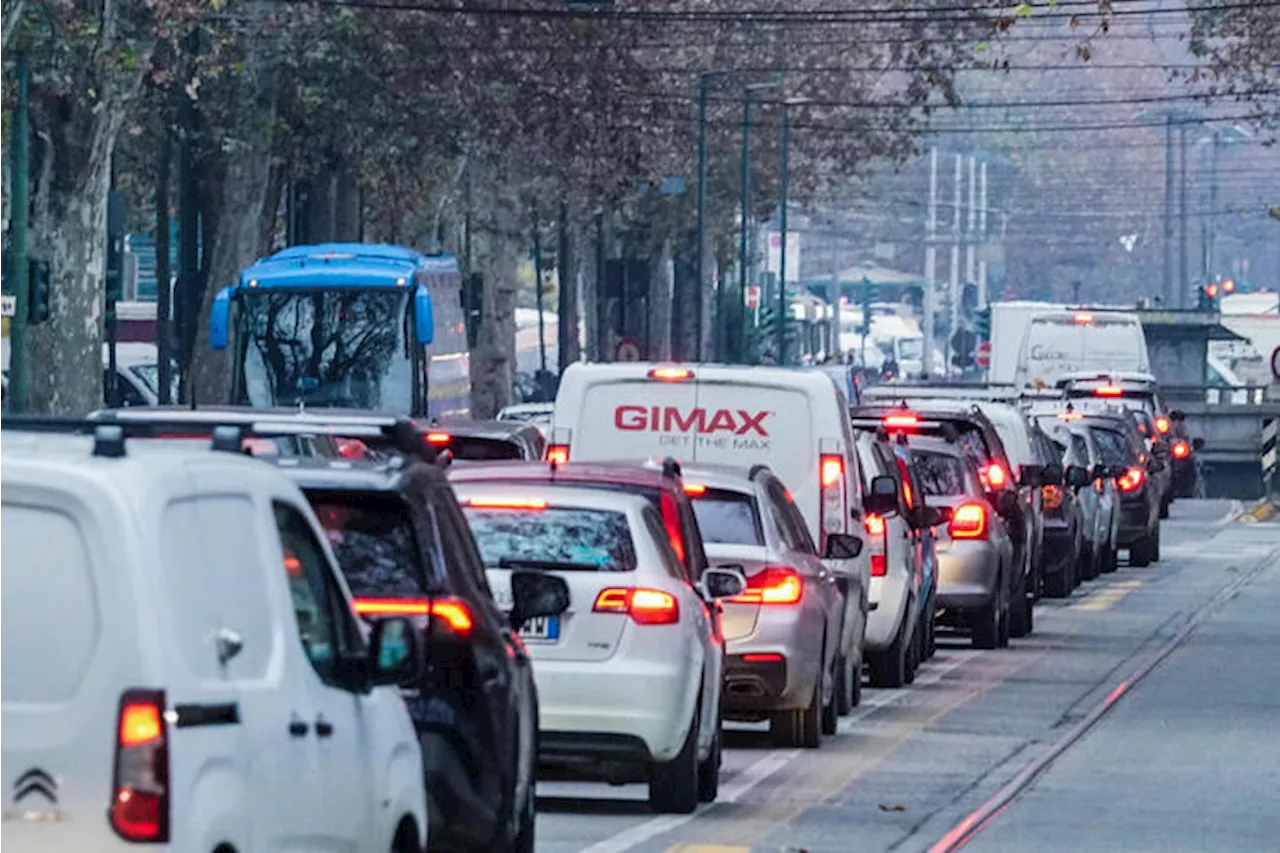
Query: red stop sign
point(983, 355)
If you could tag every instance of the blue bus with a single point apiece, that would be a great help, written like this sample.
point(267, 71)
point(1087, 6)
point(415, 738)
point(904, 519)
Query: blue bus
point(348, 325)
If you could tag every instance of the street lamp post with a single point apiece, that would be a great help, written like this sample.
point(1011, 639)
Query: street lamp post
point(704, 78)
point(745, 214)
point(782, 228)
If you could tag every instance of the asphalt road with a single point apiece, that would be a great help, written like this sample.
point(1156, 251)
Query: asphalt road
point(1186, 759)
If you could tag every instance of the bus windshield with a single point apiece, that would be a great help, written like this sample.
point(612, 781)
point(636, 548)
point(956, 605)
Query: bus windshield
point(325, 348)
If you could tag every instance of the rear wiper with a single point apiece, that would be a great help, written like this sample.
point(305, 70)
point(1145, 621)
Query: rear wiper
point(516, 563)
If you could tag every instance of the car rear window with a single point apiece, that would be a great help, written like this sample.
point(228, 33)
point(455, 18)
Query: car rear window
point(1114, 448)
point(572, 538)
point(940, 473)
point(372, 536)
point(728, 518)
point(471, 449)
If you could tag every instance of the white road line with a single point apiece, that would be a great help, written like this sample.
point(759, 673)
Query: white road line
point(753, 775)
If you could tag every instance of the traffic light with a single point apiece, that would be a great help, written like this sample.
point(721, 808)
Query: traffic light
point(1228, 286)
point(982, 324)
point(40, 277)
point(963, 343)
point(1207, 297)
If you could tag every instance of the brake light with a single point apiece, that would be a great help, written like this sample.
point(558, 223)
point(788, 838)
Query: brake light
point(1162, 424)
point(557, 454)
point(695, 489)
point(874, 525)
point(1131, 480)
point(507, 503)
point(1051, 497)
point(968, 521)
point(773, 585)
point(351, 448)
point(878, 569)
point(901, 421)
point(437, 437)
point(994, 476)
point(833, 508)
point(1181, 450)
point(1084, 318)
point(762, 657)
point(671, 374)
point(140, 788)
point(453, 613)
point(644, 606)
point(1108, 391)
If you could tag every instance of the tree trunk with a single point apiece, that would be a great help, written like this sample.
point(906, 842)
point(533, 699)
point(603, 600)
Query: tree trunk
point(493, 361)
point(568, 269)
point(164, 292)
point(69, 230)
point(660, 302)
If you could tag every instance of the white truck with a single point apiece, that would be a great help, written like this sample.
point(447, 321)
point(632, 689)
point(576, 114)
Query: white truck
point(1009, 321)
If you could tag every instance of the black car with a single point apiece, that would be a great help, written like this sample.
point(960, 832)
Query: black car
point(1134, 468)
point(486, 441)
point(405, 549)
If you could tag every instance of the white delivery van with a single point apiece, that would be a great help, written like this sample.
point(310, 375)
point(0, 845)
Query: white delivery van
point(794, 421)
point(182, 668)
point(1057, 343)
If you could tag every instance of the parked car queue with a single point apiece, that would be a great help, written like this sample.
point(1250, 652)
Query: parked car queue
point(700, 544)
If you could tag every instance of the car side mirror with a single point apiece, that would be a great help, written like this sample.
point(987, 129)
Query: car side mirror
point(536, 594)
point(1078, 477)
point(1053, 475)
point(842, 546)
point(1197, 444)
point(1005, 502)
point(930, 516)
point(944, 513)
point(1032, 476)
point(883, 496)
point(1177, 415)
point(395, 652)
point(723, 582)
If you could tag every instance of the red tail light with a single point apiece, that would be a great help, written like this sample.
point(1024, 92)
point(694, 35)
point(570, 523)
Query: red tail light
point(644, 606)
point(833, 509)
point(874, 525)
point(507, 503)
point(1051, 497)
point(1131, 480)
point(1181, 450)
point(437, 438)
point(140, 790)
point(557, 454)
point(762, 657)
point(694, 489)
point(1162, 424)
point(773, 585)
point(671, 374)
point(994, 476)
point(878, 568)
point(1108, 391)
point(832, 470)
point(901, 421)
point(968, 521)
point(449, 612)
point(1084, 318)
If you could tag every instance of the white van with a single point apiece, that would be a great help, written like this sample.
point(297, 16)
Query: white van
point(181, 664)
point(794, 421)
point(1057, 343)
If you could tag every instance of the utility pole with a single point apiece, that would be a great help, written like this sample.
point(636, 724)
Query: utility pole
point(20, 209)
point(744, 254)
point(164, 277)
point(982, 234)
point(700, 258)
point(930, 265)
point(782, 227)
point(971, 231)
point(833, 299)
point(537, 289)
point(188, 221)
point(1168, 213)
point(1211, 259)
point(955, 258)
point(1184, 282)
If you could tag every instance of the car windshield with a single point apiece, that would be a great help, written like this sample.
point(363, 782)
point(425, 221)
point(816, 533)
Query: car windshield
point(553, 537)
point(335, 348)
point(940, 474)
point(728, 518)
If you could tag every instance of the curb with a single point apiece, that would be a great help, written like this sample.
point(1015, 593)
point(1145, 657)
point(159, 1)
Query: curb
point(1264, 510)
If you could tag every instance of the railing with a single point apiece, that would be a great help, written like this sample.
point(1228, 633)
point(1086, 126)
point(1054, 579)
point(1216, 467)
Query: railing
point(1215, 395)
point(1270, 453)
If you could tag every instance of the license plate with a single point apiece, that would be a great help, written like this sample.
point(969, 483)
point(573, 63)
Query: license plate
point(541, 629)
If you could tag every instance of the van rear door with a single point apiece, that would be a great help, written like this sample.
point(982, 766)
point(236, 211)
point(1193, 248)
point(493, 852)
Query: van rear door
point(70, 648)
point(635, 417)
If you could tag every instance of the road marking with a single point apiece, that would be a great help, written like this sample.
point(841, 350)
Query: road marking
point(1105, 599)
point(977, 820)
point(707, 848)
point(770, 764)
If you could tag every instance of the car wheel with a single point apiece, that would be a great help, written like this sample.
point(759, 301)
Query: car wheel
point(830, 717)
point(1140, 554)
point(673, 785)
point(1164, 508)
point(913, 655)
point(1155, 546)
point(931, 628)
point(889, 667)
point(1004, 625)
point(1021, 612)
point(845, 676)
point(524, 841)
point(855, 683)
point(986, 627)
point(799, 728)
point(1058, 584)
point(1088, 568)
point(709, 770)
point(1111, 559)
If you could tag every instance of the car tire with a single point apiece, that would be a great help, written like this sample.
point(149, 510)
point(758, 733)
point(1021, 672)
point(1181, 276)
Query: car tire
point(673, 785)
point(1111, 559)
point(1155, 546)
point(524, 840)
point(1021, 611)
point(855, 683)
point(913, 655)
point(889, 667)
point(1004, 626)
point(1058, 584)
point(801, 728)
point(1141, 553)
point(1088, 566)
point(931, 628)
point(830, 717)
point(846, 680)
point(986, 628)
point(1164, 508)
point(709, 769)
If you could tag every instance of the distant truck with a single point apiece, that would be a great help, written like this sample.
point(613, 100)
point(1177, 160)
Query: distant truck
point(1009, 322)
point(1034, 344)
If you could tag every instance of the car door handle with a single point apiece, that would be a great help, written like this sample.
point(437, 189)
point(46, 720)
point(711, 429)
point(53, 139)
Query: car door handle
point(297, 728)
point(324, 728)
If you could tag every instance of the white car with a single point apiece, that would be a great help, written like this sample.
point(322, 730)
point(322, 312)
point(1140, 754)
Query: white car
point(629, 677)
point(182, 667)
point(538, 414)
point(794, 421)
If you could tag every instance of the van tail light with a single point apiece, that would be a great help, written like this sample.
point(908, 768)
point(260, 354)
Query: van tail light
point(140, 789)
point(1051, 497)
point(1162, 424)
point(694, 489)
point(994, 476)
point(968, 521)
point(444, 613)
point(874, 525)
point(557, 454)
point(878, 567)
point(834, 507)
point(437, 438)
point(876, 540)
point(671, 374)
point(772, 585)
point(1181, 450)
point(671, 522)
point(644, 606)
point(1109, 391)
point(1131, 480)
